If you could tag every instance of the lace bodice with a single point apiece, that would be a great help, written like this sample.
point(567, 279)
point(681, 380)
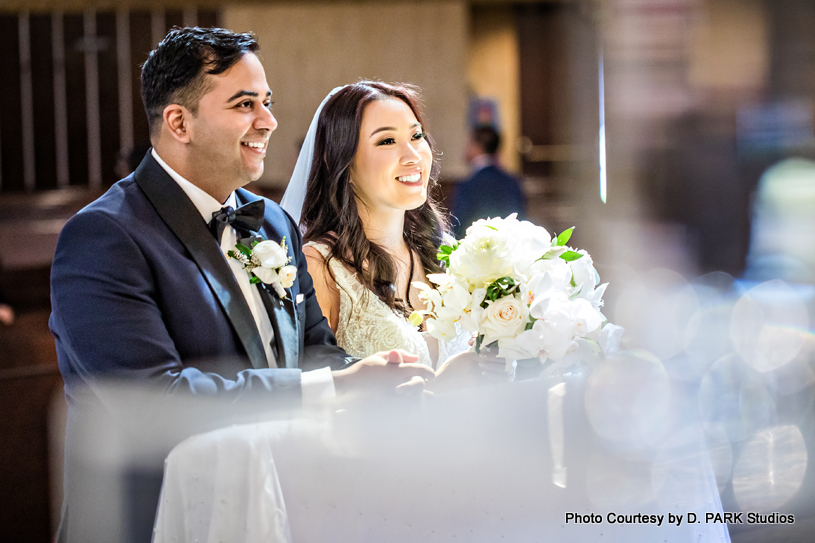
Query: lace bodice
point(367, 325)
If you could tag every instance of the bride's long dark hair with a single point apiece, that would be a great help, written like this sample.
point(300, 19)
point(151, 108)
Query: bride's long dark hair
point(330, 212)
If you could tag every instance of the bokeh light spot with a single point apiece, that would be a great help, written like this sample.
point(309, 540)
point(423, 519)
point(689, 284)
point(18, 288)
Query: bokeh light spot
point(771, 469)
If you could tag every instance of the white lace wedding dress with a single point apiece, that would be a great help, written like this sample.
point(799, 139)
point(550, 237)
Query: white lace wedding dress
point(367, 325)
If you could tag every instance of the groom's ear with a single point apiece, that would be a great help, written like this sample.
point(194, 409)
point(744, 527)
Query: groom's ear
point(176, 119)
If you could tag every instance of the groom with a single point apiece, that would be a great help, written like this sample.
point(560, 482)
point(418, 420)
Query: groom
point(142, 289)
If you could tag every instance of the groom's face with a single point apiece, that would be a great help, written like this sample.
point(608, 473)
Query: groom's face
point(230, 132)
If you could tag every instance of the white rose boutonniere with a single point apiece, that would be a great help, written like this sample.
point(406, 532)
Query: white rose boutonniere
point(267, 262)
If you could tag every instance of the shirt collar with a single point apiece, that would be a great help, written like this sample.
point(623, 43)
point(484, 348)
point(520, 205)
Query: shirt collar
point(203, 202)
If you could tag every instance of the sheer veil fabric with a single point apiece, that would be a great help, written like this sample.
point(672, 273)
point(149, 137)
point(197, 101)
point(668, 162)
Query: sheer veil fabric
point(295, 193)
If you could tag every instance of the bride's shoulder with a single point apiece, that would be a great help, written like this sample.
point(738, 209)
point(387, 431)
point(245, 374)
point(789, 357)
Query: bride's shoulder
point(320, 249)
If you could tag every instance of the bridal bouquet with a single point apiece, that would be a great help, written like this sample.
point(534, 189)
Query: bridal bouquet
point(518, 289)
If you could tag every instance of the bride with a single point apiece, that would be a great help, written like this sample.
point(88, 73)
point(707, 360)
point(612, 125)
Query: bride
point(360, 191)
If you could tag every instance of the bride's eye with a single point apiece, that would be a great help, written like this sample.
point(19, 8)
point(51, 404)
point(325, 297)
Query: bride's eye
point(419, 135)
point(387, 141)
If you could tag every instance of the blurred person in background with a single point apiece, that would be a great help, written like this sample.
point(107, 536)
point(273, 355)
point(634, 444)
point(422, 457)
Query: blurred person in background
point(490, 191)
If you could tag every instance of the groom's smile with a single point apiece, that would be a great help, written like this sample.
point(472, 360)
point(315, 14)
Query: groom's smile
point(230, 132)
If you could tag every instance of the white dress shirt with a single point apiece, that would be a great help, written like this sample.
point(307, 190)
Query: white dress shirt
point(316, 384)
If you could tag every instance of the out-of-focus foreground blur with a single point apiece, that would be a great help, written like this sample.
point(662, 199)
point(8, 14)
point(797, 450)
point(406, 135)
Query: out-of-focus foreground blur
point(676, 135)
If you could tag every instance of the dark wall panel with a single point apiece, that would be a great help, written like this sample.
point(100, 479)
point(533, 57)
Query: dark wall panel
point(108, 95)
point(11, 131)
point(42, 68)
point(74, 45)
point(75, 97)
point(140, 47)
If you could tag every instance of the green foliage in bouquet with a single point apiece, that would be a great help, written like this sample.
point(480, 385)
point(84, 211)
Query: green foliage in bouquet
point(445, 251)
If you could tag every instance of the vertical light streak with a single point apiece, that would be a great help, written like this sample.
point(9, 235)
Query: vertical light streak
point(556, 433)
point(602, 134)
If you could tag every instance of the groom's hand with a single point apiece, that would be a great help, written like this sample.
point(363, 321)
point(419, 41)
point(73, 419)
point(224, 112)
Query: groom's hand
point(384, 373)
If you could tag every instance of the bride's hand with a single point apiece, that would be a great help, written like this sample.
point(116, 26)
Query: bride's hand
point(384, 373)
point(469, 370)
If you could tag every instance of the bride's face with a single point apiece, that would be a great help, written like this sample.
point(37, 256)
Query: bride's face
point(393, 160)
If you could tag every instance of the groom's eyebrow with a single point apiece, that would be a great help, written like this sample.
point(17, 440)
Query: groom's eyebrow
point(391, 128)
point(242, 93)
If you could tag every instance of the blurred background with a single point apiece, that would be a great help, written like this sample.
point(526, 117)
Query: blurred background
point(674, 134)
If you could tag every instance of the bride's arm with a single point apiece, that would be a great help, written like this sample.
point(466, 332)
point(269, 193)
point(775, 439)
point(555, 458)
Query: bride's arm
point(328, 295)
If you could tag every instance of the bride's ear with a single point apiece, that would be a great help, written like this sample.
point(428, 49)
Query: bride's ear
point(176, 120)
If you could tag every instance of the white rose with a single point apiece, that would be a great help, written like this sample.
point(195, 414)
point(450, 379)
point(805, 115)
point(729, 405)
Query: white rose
point(504, 318)
point(287, 275)
point(270, 254)
point(267, 275)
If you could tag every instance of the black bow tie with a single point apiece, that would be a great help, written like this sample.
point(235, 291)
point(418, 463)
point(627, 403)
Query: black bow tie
point(246, 219)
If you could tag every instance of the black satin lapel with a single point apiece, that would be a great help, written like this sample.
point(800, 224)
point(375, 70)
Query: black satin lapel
point(284, 323)
point(183, 218)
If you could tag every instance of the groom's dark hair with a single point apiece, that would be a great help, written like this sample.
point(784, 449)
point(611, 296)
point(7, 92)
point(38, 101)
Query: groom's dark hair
point(175, 71)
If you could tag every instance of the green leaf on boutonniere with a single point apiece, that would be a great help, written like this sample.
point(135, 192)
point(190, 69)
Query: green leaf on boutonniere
point(568, 256)
point(244, 249)
point(564, 237)
point(254, 280)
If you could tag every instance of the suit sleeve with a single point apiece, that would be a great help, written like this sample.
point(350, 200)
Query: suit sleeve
point(462, 208)
point(108, 323)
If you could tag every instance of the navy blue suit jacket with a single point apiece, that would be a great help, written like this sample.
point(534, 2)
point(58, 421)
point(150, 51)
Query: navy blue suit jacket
point(141, 291)
point(490, 192)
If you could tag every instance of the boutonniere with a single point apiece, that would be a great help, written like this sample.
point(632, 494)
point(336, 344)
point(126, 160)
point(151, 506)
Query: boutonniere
point(267, 262)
